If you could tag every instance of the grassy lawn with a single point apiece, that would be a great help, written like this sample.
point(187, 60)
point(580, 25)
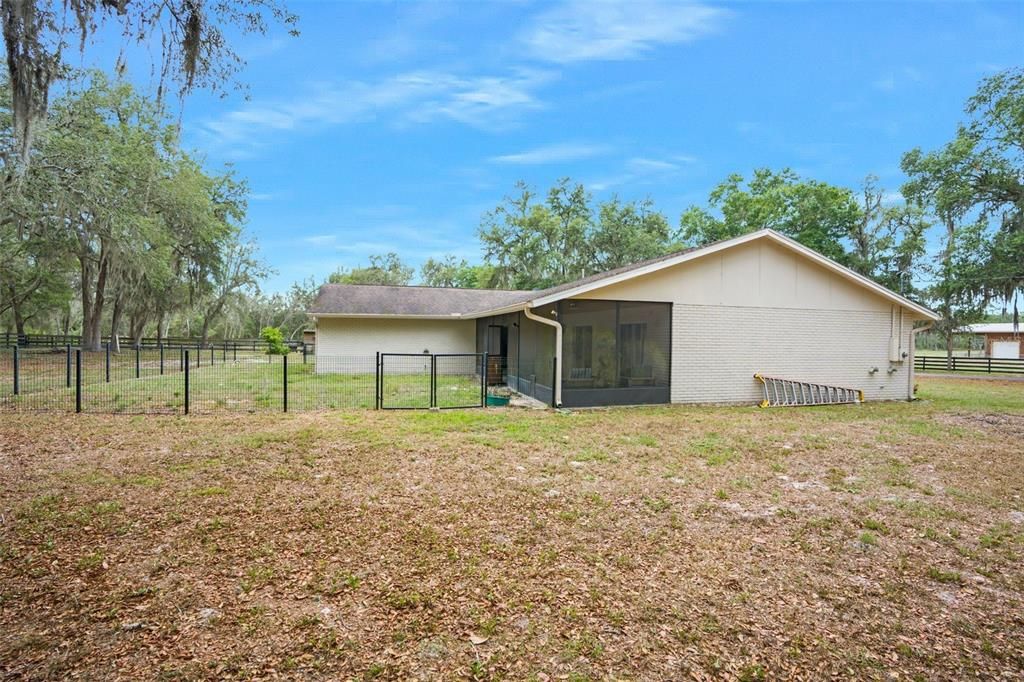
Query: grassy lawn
point(879, 541)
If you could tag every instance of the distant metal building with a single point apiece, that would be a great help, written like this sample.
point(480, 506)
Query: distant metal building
point(1002, 340)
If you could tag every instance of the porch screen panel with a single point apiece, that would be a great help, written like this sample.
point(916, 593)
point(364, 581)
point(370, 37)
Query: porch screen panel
point(615, 352)
point(652, 363)
point(535, 351)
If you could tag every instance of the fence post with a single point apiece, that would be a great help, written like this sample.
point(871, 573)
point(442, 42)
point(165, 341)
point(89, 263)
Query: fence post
point(16, 371)
point(433, 380)
point(211, 355)
point(234, 352)
point(303, 353)
point(285, 372)
point(990, 364)
point(554, 379)
point(138, 363)
point(376, 383)
point(186, 361)
point(68, 365)
point(106, 365)
point(161, 358)
point(483, 380)
point(78, 380)
point(224, 356)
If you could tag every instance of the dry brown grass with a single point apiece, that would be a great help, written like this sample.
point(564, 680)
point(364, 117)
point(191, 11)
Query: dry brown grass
point(660, 543)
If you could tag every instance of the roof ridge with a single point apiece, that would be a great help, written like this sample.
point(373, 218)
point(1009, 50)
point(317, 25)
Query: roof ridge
point(427, 286)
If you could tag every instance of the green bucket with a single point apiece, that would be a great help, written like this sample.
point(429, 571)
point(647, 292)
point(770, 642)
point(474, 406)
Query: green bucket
point(497, 400)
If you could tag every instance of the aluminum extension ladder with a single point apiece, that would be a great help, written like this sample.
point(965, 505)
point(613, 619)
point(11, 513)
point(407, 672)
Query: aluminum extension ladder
point(787, 392)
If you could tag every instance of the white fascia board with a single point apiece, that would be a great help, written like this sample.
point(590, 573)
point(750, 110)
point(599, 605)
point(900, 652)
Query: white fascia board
point(498, 311)
point(384, 316)
point(454, 316)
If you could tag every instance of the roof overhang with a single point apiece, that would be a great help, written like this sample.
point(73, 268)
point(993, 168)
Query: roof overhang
point(453, 316)
point(385, 316)
point(514, 308)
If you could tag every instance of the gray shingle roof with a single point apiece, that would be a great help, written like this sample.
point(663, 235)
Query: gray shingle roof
point(371, 299)
point(367, 299)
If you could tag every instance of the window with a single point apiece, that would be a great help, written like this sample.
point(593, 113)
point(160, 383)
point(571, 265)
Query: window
point(582, 346)
point(632, 338)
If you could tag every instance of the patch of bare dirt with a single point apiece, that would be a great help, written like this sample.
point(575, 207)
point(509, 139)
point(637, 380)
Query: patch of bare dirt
point(1011, 425)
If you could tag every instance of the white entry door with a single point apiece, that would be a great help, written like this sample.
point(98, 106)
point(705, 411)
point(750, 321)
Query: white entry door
point(1006, 349)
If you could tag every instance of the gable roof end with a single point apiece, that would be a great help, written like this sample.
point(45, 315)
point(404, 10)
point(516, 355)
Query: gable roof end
point(623, 274)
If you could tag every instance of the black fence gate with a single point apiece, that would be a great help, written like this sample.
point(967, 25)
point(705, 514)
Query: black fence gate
point(419, 381)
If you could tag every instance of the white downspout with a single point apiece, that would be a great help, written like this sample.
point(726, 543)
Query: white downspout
point(913, 353)
point(558, 350)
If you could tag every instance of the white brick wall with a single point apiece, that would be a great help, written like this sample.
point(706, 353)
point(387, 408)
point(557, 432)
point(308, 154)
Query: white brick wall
point(718, 349)
point(343, 344)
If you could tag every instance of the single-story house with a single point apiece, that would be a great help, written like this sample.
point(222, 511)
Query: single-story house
point(1002, 340)
point(689, 327)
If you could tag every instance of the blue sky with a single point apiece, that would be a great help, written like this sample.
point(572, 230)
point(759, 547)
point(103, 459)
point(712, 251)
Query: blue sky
point(394, 126)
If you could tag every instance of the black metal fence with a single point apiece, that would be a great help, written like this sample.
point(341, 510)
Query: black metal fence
point(211, 380)
point(935, 363)
point(48, 341)
point(408, 381)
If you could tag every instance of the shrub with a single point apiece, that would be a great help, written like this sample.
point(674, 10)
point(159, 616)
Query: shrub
point(275, 341)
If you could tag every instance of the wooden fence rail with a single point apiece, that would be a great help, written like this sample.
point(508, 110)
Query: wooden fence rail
point(933, 363)
point(9, 340)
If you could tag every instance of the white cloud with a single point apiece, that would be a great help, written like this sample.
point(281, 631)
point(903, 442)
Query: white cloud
point(640, 170)
point(410, 35)
point(320, 239)
point(414, 97)
point(582, 30)
point(482, 102)
point(647, 166)
point(366, 248)
point(552, 153)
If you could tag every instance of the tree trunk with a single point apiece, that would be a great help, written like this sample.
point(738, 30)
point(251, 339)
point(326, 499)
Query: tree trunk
point(93, 296)
point(210, 316)
point(87, 294)
point(206, 330)
point(19, 319)
point(115, 323)
point(138, 327)
point(15, 307)
point(65, 319)
point(94, 339)
point(947, 262)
